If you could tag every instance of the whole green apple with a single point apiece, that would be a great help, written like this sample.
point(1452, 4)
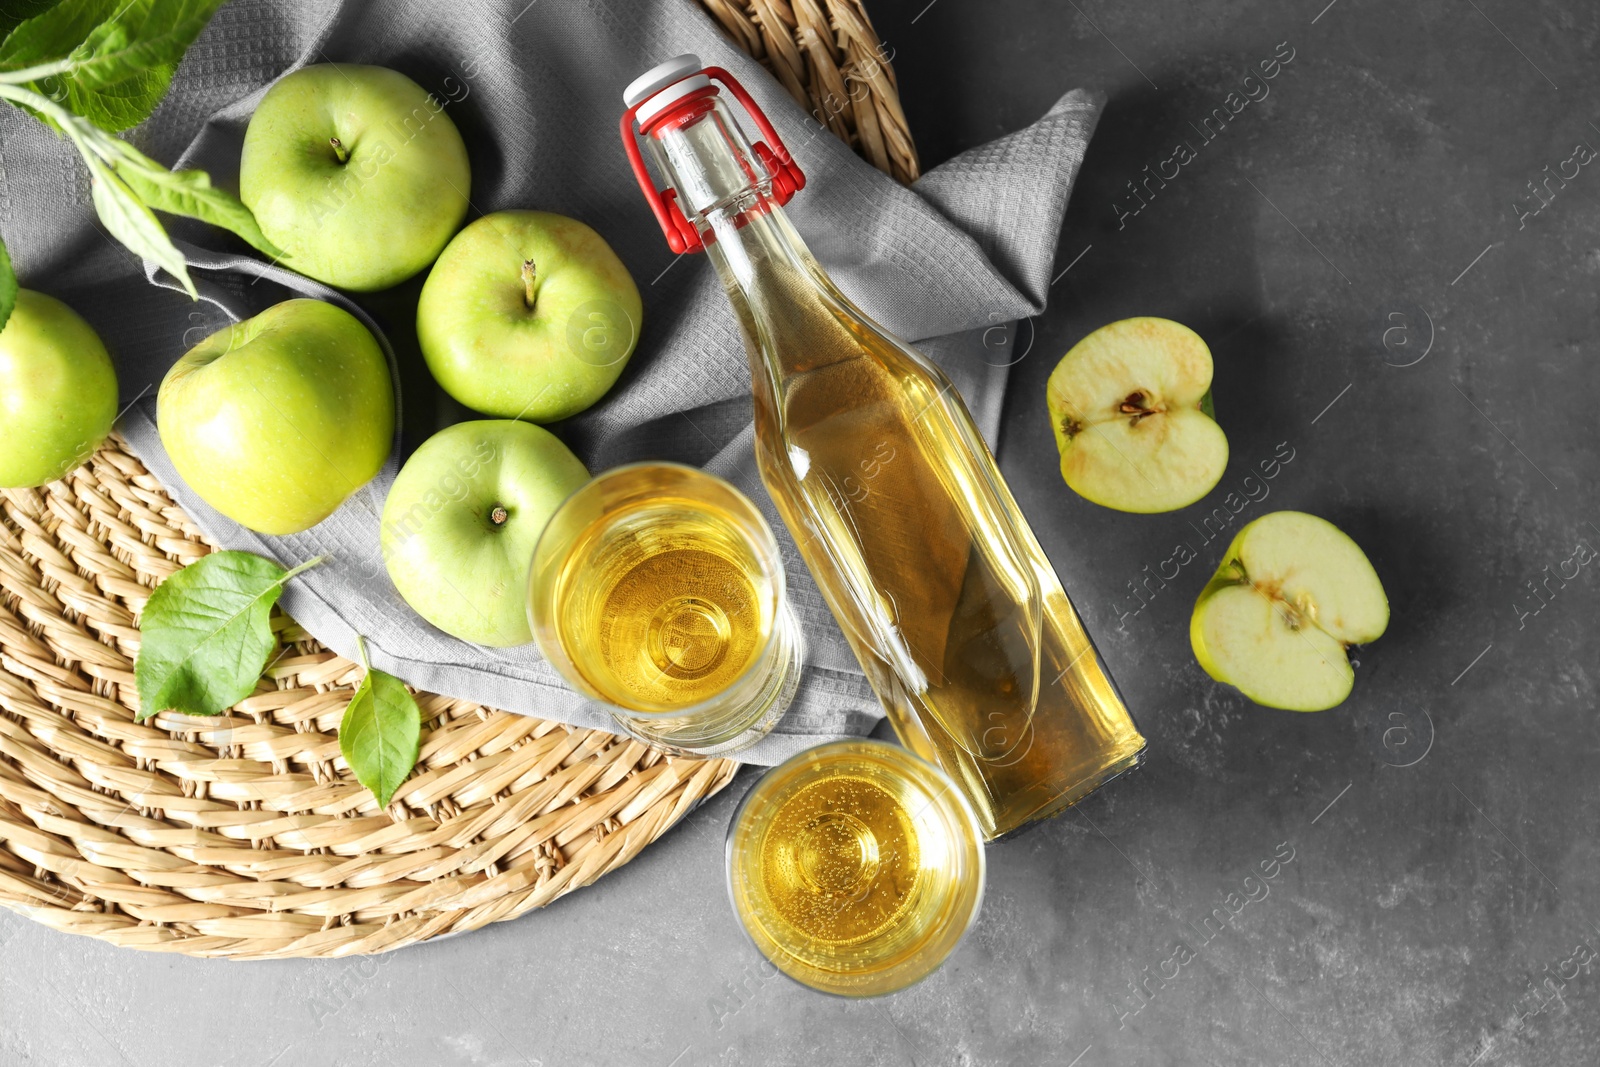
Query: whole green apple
point(276, 420)
point(462, 519)
point(58, 392)
point(356, 173)
point(528, 315)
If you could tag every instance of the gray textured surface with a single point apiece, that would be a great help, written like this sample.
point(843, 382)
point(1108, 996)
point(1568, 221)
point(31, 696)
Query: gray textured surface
point(1423, 906)
point(538, 91)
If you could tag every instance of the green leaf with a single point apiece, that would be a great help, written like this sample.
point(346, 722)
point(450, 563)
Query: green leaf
point(8, 286)
point(116, 107)
point(49, 39)
point(130, 222)
point(143, 35)
point(53, 33)
point(189, 193)
point(17, 12)
point(381, 733)
point(205, 634)
point(1208, 406)
point(109, 61)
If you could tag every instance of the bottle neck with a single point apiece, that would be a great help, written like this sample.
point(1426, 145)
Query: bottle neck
point(706, 156)
point(724, 190)
point(775, 285)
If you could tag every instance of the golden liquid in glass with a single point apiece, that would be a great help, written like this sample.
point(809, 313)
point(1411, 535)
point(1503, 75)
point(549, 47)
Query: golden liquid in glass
point(855, 867)
point(662, 609)
point(840, 861)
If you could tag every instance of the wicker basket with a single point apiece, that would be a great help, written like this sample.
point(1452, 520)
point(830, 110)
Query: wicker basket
point(826, 53)
point(245, 835)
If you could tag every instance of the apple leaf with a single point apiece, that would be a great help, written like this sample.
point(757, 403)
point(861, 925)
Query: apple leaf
point(37, 55)
point(381, 733)
point(8, 286)
point(205, 634)
point(131, 222)
point(189, 193)
point(121, 106)
point(109, 61)
point(16, 12)
point(52, 32)
point(86, 67)
point(143, 35)
point(1208, 406)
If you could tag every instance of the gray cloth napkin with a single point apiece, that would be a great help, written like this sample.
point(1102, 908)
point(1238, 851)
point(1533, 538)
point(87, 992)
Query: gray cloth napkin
point(535, 88)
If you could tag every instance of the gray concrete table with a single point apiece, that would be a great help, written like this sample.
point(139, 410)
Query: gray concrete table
point(1393, 248)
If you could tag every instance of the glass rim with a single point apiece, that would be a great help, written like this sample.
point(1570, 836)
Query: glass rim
point(963, 812)
point(768, 550)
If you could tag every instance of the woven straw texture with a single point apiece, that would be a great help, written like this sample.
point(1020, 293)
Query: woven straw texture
point(826, 53)
point(245, 835)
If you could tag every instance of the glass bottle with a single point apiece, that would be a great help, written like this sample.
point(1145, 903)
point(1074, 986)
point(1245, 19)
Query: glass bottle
point(894, 500)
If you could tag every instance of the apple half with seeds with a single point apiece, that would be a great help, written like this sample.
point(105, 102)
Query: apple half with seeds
point(1293, 593)
point(1131, 409)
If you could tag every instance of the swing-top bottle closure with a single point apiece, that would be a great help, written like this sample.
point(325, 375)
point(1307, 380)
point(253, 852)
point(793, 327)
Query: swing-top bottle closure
point(668, 103)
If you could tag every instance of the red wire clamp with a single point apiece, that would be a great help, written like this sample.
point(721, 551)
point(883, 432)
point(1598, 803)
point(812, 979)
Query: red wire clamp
point(787, 177)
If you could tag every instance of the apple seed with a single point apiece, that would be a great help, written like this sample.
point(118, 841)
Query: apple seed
point(1137, 405)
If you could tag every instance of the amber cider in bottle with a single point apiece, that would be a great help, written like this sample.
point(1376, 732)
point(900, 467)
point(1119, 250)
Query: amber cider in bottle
point(896, 504)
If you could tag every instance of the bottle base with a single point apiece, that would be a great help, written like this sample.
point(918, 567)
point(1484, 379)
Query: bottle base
point(1053, 806)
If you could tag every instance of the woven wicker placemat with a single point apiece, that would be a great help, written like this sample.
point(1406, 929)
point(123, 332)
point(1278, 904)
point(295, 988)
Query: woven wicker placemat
point(245, 835)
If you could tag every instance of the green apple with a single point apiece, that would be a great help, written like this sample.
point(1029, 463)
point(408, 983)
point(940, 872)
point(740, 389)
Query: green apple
point(356, 173)
point(462, 520)
point(58, 392)
point(276, 420)
point(528, 315)
point(1292, 594)
point(1131, 408)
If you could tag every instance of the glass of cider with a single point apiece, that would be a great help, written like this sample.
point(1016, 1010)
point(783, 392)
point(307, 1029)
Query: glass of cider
point(658, 590)
point(855, 867)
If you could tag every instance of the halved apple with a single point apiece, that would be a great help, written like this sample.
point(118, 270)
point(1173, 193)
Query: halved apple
point(1131, 408)
point(1292, 594)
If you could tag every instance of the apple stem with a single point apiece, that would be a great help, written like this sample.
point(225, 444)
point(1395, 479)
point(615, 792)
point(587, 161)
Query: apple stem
point(530, 284)
point(340, 153)
point(499, 516)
